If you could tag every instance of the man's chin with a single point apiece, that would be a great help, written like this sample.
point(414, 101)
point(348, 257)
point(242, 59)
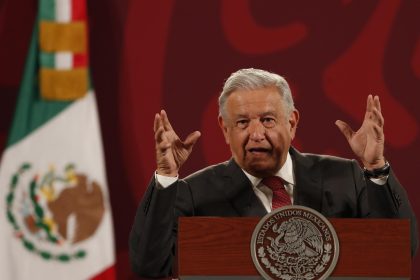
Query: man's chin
point(261, 169)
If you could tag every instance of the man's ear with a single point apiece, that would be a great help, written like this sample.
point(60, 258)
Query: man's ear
point(293, 122)
point(224, 129)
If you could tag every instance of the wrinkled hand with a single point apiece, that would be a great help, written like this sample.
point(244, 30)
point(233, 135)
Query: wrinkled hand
point(368, 142)
point(171, 152)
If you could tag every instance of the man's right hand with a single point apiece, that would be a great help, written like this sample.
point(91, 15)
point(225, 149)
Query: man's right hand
point(171, 152)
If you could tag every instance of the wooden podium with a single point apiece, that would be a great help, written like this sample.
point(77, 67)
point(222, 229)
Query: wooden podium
point(219, 248)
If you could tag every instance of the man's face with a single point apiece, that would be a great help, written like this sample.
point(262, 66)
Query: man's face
point(258, 130)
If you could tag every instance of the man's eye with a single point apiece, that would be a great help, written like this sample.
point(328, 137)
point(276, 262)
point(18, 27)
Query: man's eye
point(242, 123)
point(268, 122)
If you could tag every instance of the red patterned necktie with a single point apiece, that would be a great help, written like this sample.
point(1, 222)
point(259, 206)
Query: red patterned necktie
point(280, 196)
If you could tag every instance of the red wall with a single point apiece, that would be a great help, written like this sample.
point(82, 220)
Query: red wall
point(148, 55)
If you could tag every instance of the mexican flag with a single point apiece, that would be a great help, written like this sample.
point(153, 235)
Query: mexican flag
point(55, 215)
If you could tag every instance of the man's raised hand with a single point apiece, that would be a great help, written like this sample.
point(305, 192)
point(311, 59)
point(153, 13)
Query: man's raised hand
point(171, 152)
point(368, 142)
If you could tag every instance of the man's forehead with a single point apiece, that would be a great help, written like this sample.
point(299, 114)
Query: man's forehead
point(262, 90)
point(253, 99)
point(254, 104)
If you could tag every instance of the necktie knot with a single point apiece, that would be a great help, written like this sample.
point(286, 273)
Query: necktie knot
point(280, 196)
point(274, 183)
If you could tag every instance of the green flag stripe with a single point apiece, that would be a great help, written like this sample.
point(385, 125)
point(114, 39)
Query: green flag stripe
point(47, 9)
point(47, 60)
point(31, 111)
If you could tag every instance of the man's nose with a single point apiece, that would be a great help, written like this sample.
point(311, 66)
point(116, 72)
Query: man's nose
point(256, 131)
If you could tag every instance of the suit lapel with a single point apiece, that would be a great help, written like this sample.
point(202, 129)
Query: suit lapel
point(239, 192)
point(308, 186)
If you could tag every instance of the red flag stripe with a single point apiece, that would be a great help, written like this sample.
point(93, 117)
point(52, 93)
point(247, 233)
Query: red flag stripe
point(78, 8)
point(107, 274)
point(80, 60)
point(79, 14)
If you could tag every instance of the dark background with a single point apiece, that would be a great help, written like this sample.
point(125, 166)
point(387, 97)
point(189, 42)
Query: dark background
point(148, 55)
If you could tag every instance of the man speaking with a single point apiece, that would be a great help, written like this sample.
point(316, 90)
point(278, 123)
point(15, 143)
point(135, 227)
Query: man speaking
point(259, 121)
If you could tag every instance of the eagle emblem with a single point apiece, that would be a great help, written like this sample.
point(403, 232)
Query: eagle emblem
point(53, 213)
point(294, 243)
point(297, 237)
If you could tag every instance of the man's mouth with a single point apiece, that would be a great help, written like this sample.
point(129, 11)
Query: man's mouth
point(258, 150)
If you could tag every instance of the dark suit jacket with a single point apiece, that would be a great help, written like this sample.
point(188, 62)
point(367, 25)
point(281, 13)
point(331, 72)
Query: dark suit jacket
point(333, 186)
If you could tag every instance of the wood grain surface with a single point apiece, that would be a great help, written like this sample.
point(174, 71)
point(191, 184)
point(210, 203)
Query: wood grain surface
point(221, 246)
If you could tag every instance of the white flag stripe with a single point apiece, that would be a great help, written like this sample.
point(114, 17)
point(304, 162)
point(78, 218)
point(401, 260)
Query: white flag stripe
point(56, 143)
point(63, 60)
point(63, 11)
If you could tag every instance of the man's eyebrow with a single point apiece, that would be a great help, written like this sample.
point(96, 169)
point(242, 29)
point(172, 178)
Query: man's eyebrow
point(241, 116)
point(268, 113)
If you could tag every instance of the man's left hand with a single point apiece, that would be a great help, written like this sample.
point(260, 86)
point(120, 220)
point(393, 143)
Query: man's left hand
point(368, 142)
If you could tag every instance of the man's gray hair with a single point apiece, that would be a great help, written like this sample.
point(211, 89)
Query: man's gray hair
point(252, 79)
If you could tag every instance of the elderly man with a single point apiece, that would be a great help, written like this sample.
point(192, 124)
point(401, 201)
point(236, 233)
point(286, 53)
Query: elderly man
point(259, 121)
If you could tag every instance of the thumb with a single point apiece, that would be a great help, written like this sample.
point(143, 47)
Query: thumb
point(192, 139)
point(345, 129)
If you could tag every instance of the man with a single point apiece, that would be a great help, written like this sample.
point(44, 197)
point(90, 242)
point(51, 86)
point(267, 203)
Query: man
point(259, 121)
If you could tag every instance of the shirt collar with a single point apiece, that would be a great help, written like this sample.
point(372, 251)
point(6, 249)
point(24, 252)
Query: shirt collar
point(285, 172)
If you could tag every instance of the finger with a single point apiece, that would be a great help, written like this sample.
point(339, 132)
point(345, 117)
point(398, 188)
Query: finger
point(377, 117)
point(369, 103)
point(377, 103)
point(165, 120)
point(156, 122)
point(162, 139)
point(369, 106)
point(159, 134)
point(378, 132)
point(162, 144)
point(345, 129)
point(192, 139)
point(159, 122)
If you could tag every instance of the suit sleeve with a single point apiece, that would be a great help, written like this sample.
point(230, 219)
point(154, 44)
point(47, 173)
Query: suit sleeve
point(391, 201)
point(153, 235)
